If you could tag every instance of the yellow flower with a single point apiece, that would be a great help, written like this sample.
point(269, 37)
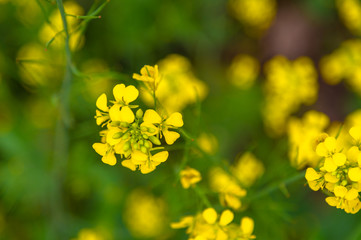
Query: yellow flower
point(333, 159)
point(189, 177)
point(107, 151)
point(243, 71)
point(103, 115)
point(247, 169)
point(146, 162)
point(314, 179)
point(342, 194)
point(123, 95)
point(163, 125)
point(149, 75)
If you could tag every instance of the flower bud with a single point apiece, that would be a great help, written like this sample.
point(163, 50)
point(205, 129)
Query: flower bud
point(124, 124)
point(139, 113)
point(145, 136)
point(147, 144)
point(115, 124)
point(154, 140)
point(125, 136)
point(143, 149)
point(117, 135)
point(126, 146)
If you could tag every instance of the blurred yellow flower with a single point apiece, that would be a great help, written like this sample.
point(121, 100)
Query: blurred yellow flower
point(150, 76)
point(178, 87)
point(189, 177)
point(208, 143)
point(145, 215)
point(289, 84)
point(350, 13)
point(88, 234)
point(243, 71)
point(255, 15)
point(247, 169)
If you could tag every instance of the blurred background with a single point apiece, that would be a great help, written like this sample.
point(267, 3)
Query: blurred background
point(255, 64)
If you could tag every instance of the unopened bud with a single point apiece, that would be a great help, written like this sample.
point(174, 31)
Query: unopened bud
point(143, 149)
point(126, 146)
point(344, 182)
point(139, 113)
point(117, 135)
point(143, 129)
point(155, 140)
point(147, 144)
point(145, 136)
point(124, 124)
point(115, 124)
point(125, 136)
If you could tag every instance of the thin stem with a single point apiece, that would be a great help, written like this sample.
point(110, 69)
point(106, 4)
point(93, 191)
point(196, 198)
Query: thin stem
point(61, 140)
point(202, 196)
point(275, 186)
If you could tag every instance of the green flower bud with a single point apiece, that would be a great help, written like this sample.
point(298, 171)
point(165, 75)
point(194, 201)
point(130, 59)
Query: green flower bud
point(126, 146)
point(132, 141)
point(115, 124)
point(344, 183)
point(124, 124)
point(125, 136)
point(141, 142)
point(139, 113)
point(147, 144)
point(155, 140)
point(145, 136)
point(117, 135)
point(136, 146)
point(143, 149)
point(151, 130)
point(338, 175)
point(143, 129)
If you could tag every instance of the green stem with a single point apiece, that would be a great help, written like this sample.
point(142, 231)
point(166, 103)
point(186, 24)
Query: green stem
point(275, 186)
point(202, 196)
point(61, 141)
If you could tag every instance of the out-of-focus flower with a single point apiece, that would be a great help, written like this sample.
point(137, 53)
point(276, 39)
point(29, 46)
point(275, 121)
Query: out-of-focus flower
point(178, 87)
point(208, 226)
point(243, 71)
point(289, 84)
point(303, 135)
point(89, 234)
point(230, 192)
point(55, 29)
point(189, 177)
point(208, 143)
point(247, 169)
point(145, 215)
point(255, 15)
point(344, 63)
point(350, 13)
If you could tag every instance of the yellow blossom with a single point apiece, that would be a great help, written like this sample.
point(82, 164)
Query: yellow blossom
point(149, 75)
point(189, 177)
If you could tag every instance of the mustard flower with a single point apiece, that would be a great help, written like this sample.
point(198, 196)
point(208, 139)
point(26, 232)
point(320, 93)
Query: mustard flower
point(189, 177)
point(146, 162)
point(123, 95)
point(162, 125)
point(150, 76)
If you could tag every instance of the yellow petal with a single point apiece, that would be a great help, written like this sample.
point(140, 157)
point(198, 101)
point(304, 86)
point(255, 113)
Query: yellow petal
point(130, 94)
point(160, 157)
point(151, 116)
point(147, 168)
point(110, 134)
point(170, 136)
point(226, 217)
point(109, 159)
point(353, 153)
point(311, 174)
point(114, 113)
point(118, 92)
point(330, 143)
point(330, 178)
point(175, 120)
point(354, 174)
point(247, 225)
point(339, 159)
point(221, 235)
point(330, 165)
point(340, 191)
point(351, 194)
point(126, 115)
point(102, 103)
point(184, 222)
point(315, 186)
point(355, 133)
point(210, 215)
point(129, 164)
point(100, 148)
point(321, 150)
point(332, 201)
point(139, 157)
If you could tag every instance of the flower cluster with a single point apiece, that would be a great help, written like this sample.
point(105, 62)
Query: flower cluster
point(177, 86)
point(339, 171)
point(255, 15)
point(302, 137)
point(208, 226)
point(344, 63)
point(133, 135)
point(243, 71)
point(288, 85)
point(350, 13)
point(231, 186)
